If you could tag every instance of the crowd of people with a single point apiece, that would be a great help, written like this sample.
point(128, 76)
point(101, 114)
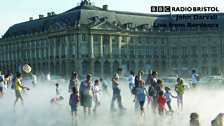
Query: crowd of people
point(85, 92)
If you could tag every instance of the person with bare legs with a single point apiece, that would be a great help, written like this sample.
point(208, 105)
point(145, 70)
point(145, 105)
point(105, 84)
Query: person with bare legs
point(141, 96)
point(97, 93)
point(73, 102)
point(18, 91)
point(87, 94)
point(179, 88)
point(116, 91)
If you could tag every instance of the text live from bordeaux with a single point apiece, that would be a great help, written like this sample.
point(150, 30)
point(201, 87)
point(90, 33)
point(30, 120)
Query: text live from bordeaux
point(203, 20)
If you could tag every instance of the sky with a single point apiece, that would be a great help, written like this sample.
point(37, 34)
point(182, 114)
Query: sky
point(17, 11)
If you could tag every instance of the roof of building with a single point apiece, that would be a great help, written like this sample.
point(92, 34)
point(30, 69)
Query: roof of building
point(86, 15)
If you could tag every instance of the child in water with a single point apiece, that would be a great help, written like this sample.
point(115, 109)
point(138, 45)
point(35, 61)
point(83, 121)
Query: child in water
point(97, 92)
point(56, 100)
point(168, 96)
point(104, 85)
point(179, 88)
point(73, 101)
point(141, 94)
point(58, 90)
point(161, 103)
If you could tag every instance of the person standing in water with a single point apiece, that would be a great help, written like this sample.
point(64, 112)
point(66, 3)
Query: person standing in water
point(18, 91)
point(87, 94)
point(134, 89)
point(116, 91)
point(74, 82)
point(73, 101)
point(14, 81)
point(42, 77)
point(141, 96)
point(104, 85)
point(48, 77)
point(97, 93)
point(194, 79)
point(168, 96)
point(179, 88)
point(152, 90)
point(161, 103)
point(149, 77)
point(131, 80)
point(34, 79)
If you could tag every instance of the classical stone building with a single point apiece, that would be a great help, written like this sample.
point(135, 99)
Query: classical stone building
point(89, 39)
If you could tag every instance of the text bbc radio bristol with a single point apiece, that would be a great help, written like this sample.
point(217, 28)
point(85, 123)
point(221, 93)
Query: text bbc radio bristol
point(183, 9)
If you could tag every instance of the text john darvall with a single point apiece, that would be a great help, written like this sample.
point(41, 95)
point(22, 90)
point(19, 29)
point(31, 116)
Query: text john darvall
point(196, 17)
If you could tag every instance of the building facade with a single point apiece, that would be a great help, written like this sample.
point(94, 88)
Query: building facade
point(89, 39)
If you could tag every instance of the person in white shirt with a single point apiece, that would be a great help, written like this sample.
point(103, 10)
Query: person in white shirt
point(34, 79)
point(6, 82)
point(97, 91)
point(48, 77)
point(104, 85)
point(131, 80)
point(194, 79)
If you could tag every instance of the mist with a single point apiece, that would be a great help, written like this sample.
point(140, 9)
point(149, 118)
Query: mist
point(207, 102)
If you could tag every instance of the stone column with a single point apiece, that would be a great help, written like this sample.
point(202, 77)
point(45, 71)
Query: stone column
point(62, 40)
point(127, 47)
point(91, 47)
point(79, 42)
point(101, 45)
point(54, 68)
point(110, 46)
point(92, 67)
point(60, 68)
point(119, 46)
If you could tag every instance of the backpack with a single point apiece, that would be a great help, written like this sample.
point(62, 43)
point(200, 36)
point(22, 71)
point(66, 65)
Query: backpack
point(197, 77)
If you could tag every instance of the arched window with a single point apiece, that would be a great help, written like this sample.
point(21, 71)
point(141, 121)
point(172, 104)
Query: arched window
point(97, 68)
point(106, 67)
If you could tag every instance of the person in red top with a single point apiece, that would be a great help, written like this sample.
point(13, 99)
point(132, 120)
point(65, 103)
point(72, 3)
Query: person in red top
point(161, 103)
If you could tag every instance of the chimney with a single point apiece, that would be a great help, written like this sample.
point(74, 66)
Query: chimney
point(31, 18)
point(41, 16)
point(48, 14)
point(52, 13)
point(105, 7)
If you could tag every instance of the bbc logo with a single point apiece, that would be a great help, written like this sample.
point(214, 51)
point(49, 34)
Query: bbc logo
point(160, 8)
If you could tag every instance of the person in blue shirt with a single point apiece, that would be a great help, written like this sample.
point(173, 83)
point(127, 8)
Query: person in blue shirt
point(168, 96)
point(141, 95)
point(14, 80)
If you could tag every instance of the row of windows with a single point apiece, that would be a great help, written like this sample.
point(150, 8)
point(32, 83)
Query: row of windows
point(155, 40)
point(185, 41)
point(139, 40)
point(139, 51)
point(34, 44)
